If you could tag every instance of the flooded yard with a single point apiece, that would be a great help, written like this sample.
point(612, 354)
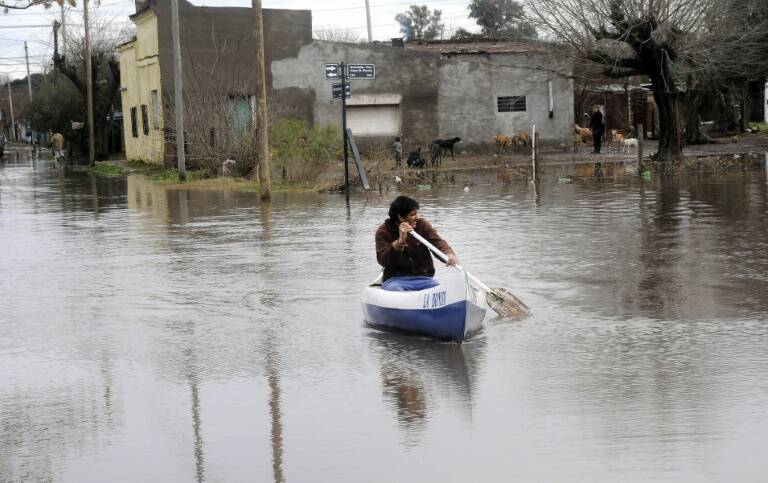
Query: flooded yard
point(149, 334)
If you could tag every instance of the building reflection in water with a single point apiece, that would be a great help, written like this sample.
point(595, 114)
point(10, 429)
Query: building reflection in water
point(418, 375)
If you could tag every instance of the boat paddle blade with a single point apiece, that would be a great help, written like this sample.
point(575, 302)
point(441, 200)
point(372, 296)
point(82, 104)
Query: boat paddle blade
point(501, 301)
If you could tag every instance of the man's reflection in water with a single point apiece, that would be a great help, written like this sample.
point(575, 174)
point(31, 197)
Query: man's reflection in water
point(409, 400)
point(417, 374)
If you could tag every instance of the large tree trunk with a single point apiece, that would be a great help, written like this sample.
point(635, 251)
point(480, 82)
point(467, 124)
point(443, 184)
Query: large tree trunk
point(670, 142)
point(694, 101)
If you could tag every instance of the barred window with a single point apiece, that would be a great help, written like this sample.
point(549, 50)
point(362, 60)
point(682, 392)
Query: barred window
point(134, 123)
point(144, 119)
point(511, 104)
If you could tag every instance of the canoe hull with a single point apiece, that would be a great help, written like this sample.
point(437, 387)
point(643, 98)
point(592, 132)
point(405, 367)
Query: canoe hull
point(450, 311)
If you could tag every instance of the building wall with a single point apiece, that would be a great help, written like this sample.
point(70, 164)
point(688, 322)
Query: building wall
point(406, 76)
point(139, 76)
point(471, 84)
point(439, 98)
point(218, 56)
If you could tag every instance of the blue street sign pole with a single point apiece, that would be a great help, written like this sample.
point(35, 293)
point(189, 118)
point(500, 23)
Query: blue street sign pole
point(344, 127)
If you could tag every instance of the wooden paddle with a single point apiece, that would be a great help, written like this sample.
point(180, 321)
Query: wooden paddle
point(500, 300)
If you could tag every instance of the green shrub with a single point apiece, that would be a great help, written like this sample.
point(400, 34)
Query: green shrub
point(299, 152)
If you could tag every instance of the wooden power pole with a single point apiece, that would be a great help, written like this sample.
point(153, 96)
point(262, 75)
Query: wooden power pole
point(177, 92)
point(29, 74)
point(89, 86)
point(262, 135)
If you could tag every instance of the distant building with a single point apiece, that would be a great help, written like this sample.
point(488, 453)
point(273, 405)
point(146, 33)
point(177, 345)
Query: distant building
point(428, 90)
point(422, 90)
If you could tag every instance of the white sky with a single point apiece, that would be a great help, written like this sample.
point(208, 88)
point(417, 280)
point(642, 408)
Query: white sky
point(35, 25)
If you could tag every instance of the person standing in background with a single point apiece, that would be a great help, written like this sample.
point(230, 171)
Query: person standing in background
point(398, 148)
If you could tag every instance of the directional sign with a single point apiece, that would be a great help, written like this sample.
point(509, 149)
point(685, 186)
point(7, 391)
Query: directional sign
point(361, 71)
point(336, 91)
point(332, 71)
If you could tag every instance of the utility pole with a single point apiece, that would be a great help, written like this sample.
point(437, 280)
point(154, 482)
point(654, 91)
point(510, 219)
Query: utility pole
point(63, 31)
point(89, 86)
point(29, 76)
point(56, 26)
point(10, 102)
point(262, 136)
point(177, 92)
point(368, 19)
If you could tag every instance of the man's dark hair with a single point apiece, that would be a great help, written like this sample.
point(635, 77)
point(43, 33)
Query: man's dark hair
point(401, 206)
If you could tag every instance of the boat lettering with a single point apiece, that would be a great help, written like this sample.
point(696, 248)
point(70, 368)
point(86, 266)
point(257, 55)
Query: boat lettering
point(434, 300)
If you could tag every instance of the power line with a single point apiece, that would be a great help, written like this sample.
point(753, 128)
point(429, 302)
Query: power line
point(422, 2)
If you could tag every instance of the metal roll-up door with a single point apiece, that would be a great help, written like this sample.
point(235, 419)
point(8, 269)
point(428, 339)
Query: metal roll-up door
point(377, 120)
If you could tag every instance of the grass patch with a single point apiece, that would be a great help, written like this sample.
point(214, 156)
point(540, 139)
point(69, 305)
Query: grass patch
point(763, 126)
point(155, 172)
point(199, 179)
point(106, 169)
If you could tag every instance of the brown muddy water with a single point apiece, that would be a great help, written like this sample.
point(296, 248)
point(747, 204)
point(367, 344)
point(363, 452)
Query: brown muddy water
point(156, 335)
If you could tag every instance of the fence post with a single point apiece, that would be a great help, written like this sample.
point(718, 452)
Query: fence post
point(640, 138)
point(534, 160)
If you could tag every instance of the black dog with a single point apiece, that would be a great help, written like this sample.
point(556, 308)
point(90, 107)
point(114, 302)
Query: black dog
point(439, 146)
point(415, 160)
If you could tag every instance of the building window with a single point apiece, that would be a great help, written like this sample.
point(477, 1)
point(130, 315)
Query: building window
point(144, 120)
point(155, 110)
point(134, 124)
point(511, 104)
point(212, 138)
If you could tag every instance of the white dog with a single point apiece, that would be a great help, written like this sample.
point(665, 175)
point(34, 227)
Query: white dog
point(628, 143)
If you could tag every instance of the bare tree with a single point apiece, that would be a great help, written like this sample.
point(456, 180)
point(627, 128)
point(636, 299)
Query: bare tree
point(336, 35)
point(105, 70)
point(218, 125)
point(668, 40)
point(7, 5)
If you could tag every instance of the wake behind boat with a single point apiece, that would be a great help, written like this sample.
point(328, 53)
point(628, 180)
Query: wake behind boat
point(453, 310)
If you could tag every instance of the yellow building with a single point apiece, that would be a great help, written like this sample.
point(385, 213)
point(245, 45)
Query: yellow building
point(140, 86)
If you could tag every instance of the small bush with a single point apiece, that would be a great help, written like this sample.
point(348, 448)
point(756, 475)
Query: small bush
point(299, 152)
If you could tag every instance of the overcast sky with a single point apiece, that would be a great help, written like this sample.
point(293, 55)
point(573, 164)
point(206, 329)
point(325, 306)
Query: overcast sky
point(35, 25)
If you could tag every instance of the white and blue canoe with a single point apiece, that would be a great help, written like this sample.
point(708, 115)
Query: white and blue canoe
point(453, 310)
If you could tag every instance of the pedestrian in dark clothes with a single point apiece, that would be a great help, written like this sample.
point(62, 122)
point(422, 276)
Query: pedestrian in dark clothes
point(597, 127)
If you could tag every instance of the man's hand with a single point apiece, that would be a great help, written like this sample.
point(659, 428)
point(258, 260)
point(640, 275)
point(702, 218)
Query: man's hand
point(405, 228)
point(452, 260)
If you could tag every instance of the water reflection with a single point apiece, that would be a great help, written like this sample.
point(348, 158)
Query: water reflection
point(417, 372)
point(135, 318)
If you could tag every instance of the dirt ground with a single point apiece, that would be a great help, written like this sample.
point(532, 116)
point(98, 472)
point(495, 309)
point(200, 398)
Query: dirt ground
point(466, 168)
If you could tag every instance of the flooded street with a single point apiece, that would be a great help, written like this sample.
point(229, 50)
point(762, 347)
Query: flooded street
point(149, 334)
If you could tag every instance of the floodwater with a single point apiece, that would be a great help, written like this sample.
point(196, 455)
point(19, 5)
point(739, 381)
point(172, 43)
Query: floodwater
point(158, 335)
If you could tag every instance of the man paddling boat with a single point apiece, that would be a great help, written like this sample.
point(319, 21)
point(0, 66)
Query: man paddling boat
point(408, 263)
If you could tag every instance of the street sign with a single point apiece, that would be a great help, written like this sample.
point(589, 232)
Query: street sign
point(361, 71)
point(336, 91)
point(332, 71)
